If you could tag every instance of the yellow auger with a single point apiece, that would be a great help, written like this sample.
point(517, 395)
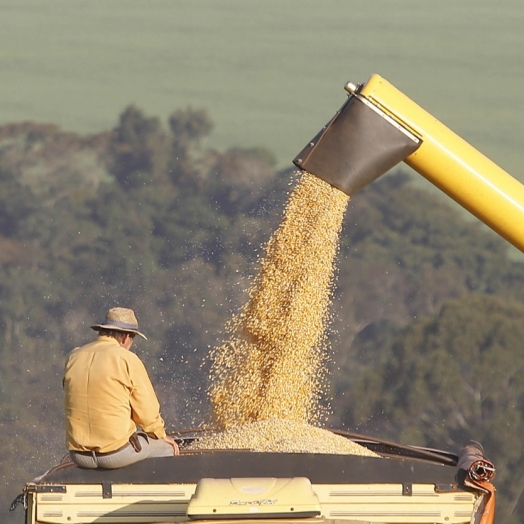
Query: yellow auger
point(379, 126)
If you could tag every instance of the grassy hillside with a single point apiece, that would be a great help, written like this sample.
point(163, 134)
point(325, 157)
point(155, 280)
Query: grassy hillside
point(270, 73)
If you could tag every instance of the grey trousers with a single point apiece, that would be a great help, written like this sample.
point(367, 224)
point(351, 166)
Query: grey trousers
point(124, 457)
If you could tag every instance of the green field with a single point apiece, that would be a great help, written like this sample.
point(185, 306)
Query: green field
point(270, 73)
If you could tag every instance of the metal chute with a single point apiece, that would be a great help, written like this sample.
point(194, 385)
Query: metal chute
point(379, 127)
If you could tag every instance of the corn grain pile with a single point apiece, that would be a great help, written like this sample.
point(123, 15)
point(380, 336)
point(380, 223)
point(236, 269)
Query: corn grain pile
point(273, 365)
point(283, 436)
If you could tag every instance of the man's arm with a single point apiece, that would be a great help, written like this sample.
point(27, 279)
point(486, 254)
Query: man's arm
point(173, 444)
point(145, 408)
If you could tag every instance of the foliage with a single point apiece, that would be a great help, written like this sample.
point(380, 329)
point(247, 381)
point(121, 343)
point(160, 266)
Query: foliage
point(449, 379)
point(426, 306)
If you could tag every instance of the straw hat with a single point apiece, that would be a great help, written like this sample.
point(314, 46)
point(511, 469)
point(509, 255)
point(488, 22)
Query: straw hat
point(120, 319)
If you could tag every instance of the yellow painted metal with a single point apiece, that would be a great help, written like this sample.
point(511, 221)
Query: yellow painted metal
point(245, 497)
point(453, 165)
point(338, 503)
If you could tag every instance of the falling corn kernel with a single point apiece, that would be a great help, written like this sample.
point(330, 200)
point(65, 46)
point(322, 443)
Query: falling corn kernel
point(272, 366)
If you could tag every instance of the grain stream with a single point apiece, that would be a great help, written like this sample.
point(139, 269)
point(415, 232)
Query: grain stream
point(272, 365)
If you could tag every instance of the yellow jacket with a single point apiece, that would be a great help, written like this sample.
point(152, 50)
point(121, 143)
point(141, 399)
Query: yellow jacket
point(107, 392)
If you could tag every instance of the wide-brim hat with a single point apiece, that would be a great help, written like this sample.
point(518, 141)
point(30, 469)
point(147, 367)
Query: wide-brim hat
point(120, 319)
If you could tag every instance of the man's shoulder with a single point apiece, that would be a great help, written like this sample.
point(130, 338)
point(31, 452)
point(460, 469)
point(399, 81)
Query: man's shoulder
point(100, 344)
point(105, 347)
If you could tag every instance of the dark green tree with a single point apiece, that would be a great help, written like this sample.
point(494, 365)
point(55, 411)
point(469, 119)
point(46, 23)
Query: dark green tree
point(449, 379)
point(16, 203)
point(189, 128)
point(140, 150)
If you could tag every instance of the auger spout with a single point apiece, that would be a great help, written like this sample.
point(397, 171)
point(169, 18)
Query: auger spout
point(359, 144)
point(379, 126)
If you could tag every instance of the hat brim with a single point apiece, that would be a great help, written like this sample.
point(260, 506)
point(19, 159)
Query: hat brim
point(96, 327)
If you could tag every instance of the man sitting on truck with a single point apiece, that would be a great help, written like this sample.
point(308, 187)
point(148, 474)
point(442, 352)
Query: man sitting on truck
point(108, 394)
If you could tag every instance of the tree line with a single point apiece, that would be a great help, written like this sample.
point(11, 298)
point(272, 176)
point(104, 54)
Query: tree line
point(427, 310)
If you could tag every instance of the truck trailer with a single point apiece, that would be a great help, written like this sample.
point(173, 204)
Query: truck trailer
point(403, 484)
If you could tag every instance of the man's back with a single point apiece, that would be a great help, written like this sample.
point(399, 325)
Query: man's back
point(104, 384)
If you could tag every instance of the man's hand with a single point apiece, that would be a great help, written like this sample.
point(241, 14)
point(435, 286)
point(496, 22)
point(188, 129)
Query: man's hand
point(173, 444)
